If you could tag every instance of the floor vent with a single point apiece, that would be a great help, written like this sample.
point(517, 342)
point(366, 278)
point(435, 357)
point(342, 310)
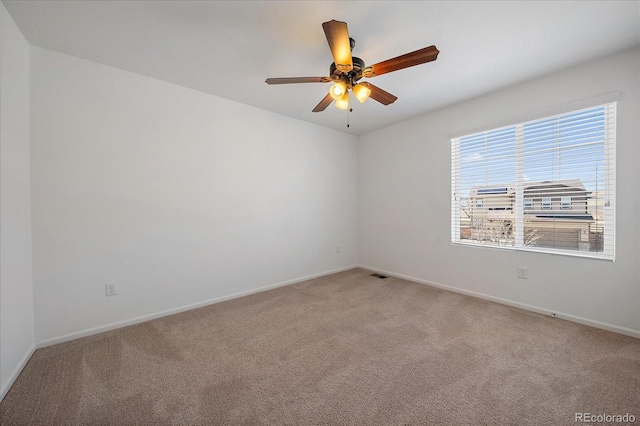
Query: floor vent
point(382, 277)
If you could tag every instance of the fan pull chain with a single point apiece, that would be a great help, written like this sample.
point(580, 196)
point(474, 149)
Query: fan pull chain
point(348, 111)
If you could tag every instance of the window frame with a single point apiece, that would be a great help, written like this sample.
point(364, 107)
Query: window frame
point(607, 213)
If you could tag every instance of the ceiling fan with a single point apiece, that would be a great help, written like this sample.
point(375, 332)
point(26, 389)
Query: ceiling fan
point(346, 71)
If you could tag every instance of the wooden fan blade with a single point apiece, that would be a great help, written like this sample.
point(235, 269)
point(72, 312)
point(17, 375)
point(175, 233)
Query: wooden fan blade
point(339, 43)
point(290, 80)
point(385, 98)
point(323, 103)
point(407, 60)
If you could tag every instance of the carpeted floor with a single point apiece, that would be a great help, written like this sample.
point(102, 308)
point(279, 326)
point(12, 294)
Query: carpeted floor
point(345, 349)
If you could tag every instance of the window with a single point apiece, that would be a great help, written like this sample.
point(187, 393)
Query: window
point(528, 203)
point(565, 162)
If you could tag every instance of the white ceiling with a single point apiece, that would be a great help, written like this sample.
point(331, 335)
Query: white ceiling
point(228, 48)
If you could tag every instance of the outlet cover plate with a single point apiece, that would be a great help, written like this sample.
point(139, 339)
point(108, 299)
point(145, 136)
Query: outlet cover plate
point(523, 272)
point(110, 289)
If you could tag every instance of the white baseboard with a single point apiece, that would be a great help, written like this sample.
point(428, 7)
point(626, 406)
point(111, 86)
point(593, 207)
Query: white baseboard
point(573, 318)
point(119, 324)
point(16, 372)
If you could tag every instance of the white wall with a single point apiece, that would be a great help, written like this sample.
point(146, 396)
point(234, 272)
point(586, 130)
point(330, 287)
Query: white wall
point(16, 287)
point(177, 196)
point(404, 203)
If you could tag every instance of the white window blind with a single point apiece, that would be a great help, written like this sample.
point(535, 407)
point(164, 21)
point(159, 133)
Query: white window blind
point(545, 185)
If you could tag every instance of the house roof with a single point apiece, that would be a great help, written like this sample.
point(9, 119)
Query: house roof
point(573, 184)
point(539, 187)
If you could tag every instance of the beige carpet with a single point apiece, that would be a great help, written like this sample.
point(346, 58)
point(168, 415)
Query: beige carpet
point(346, 349)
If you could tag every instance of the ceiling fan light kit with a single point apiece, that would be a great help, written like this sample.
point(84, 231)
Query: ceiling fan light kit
point(343, 102)
point(338, 90)
point(347, 70)
point(361, 92)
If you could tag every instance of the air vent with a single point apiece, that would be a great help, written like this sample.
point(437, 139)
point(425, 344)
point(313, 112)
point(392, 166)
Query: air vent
point(382, 277)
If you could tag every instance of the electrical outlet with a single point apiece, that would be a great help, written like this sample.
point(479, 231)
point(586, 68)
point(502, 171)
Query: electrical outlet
point(523, 272)
point(110, 289)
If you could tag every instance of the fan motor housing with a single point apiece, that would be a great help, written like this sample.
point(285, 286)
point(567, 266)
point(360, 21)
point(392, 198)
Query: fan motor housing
point(354, 75)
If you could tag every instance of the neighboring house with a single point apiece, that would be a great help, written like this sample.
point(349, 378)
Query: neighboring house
point(556, 214)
